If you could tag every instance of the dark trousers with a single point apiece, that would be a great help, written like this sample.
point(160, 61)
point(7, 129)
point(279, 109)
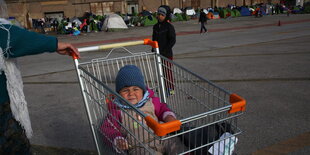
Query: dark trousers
point(202, 27)
point(167, 69)
point(13, 139)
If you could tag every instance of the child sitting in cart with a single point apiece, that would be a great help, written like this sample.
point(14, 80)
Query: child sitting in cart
point(131, 86)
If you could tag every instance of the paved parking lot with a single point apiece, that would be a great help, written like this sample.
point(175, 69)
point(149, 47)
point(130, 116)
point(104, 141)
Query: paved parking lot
point(266, 63)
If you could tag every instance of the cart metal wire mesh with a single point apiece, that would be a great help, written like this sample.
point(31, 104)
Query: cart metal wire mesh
point(205, 112)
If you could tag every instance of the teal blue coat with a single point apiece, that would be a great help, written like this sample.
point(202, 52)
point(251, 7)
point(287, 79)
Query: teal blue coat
point(23, 43)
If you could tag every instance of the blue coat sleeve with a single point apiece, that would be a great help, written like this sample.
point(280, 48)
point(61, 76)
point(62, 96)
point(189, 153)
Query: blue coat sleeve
point(24, 42)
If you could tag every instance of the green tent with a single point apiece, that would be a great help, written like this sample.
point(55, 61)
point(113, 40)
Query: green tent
point(186, 17)
point(237, 12)
point(149, 20)
point(232, 13)
point(174, 19)
point(223, 13)
point(179, 17)
point(93, 26)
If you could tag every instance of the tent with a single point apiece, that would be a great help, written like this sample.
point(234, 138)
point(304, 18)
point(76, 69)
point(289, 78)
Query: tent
point(210, 9)
point(177, 17)
point(190, 12)
point(186, 17)
point(114, 22)
point(296, 10)
point(236, 13)
point(76, 21)
point(174, 17)
point(263, 11)
point(244, 11)
point(177, 10)
point(232, 13)
point(205, 11)
point(149, 21)
point(210, 15)
point(224, 13)
point(146, 13)
point(216, 15)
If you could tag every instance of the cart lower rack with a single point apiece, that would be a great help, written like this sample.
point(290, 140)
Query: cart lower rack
point(207, 114)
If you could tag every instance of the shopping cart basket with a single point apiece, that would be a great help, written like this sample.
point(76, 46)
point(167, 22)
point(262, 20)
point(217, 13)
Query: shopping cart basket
point(207, 114)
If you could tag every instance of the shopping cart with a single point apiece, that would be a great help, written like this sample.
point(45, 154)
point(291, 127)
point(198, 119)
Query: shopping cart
point(207, 114)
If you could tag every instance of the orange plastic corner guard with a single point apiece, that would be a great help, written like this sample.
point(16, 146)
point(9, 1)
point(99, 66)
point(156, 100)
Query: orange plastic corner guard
point(154, 44)
point(163, 129)
point(237, 102)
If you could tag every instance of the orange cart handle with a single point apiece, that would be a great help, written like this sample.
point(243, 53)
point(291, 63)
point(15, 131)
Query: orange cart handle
point(237, 103)
point(164, 128)
point(154, 44)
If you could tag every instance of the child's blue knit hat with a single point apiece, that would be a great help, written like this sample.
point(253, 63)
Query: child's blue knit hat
point(129, 75)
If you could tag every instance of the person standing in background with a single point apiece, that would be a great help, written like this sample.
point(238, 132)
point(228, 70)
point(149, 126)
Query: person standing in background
point(15, 126)
point(164, 34)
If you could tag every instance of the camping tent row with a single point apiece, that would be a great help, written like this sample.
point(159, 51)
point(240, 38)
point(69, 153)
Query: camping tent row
point(115, 22)
point(223, 13)
point(226, 12)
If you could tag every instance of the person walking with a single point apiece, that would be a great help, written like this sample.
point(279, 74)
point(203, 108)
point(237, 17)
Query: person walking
point(15, 126)
point(202, 20)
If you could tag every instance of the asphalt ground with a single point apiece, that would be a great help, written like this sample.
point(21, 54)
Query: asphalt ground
point(265, 60)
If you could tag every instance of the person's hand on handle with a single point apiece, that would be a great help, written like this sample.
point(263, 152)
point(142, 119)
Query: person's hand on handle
point(67, 49)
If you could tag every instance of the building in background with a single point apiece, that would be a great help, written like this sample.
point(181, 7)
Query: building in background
point(25, 10)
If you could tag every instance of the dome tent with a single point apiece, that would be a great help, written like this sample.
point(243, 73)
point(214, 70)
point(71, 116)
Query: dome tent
point(177, 10)
point(244, 11)
point(210, 15)
point(190, 11)
point(216, 15)
point(149, 20)
point(224, 13)
point(235, 13)
point(114, 22)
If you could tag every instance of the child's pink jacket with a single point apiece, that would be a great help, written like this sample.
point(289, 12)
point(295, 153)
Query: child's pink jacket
point(111, 124)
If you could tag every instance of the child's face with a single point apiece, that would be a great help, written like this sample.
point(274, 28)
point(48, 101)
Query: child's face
point(161, 17)
point(133, 94)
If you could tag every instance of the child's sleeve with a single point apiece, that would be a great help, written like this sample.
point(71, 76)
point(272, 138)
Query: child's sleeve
point(110, 127)
point(162, 110)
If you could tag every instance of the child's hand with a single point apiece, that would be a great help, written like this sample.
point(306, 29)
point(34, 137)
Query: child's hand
point(169, 118)
point(122, 144)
